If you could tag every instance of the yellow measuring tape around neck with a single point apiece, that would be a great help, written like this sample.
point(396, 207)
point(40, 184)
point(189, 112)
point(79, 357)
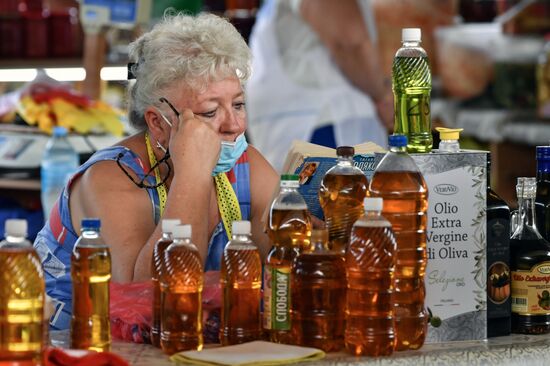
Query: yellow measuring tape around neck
point(227, 202)
point(161, 189)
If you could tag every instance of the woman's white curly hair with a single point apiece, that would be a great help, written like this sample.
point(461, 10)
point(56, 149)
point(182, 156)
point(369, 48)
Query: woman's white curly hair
point(193, 49)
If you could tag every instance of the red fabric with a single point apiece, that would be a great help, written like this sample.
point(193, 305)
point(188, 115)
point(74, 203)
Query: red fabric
point(58, 357)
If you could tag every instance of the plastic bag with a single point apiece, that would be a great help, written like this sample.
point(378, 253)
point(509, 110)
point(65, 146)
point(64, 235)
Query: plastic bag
point(131, 309)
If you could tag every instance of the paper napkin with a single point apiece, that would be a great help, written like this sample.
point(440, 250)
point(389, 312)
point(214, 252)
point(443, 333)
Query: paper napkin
point(258, 353)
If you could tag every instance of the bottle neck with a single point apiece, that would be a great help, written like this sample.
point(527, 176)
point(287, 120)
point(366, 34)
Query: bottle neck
point(398, 149)
point(240, 237)
point(17, 240)
point(90, 233)
point(411, 44)
point(345, 160)
point(526, 212)
point(287, 189)
point(543, 170)
point(372, 214)
point(167, 236)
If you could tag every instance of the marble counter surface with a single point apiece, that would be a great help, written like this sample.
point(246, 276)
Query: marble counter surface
point(510, 350)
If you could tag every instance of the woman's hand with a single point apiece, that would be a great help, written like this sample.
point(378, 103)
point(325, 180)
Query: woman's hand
point(194, 145)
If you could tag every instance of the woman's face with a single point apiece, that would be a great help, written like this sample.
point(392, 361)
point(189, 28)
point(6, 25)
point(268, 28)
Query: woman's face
point(221, 105)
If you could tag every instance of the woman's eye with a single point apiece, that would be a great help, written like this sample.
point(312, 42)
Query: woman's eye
point(209, 114)
point(239, 105)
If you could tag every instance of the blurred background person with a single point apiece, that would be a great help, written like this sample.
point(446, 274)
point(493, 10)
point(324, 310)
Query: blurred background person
point(317, 77)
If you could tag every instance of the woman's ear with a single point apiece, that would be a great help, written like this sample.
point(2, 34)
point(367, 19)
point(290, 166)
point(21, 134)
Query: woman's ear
point(156, 124)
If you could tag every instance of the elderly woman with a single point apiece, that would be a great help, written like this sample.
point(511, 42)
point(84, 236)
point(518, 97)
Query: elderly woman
point(189, 159)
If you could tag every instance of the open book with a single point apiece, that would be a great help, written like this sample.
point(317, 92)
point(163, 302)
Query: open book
point(311, 162)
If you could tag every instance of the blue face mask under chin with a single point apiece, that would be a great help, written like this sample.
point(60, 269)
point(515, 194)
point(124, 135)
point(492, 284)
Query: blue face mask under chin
point(229, 154)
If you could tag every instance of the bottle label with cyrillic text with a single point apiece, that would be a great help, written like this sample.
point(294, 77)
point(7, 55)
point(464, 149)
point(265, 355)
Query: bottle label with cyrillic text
point(276, 298)
point(531, 290)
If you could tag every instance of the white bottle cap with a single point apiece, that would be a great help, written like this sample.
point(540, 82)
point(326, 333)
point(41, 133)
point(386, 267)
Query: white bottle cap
point(182, 231)
point(168, 225)
point(373, 203)
point(240, 227)
point(411, 35)
point(15, 227)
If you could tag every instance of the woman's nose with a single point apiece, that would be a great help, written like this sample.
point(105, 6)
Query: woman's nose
point(233, 122)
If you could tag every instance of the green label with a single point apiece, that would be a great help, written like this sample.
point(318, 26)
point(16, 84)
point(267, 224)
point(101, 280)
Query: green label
point(277, 298)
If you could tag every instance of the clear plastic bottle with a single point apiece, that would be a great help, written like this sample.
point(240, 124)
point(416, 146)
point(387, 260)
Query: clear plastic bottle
point(412, 84)
point(91, 275)
point(241, 282)
point(341, 195)
point(370, 265)
point(449, 139)
point(399, 182)
point(319, 295)
point(181, 294)
point(290, 231)
point(59, 161)
point(21, 297)
point(157, 271)
point(530, 266)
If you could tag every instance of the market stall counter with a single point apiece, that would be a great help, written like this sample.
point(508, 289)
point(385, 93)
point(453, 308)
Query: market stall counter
point(510, 350)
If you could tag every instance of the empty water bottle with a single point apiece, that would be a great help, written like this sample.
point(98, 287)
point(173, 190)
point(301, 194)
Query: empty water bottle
point(59, 161)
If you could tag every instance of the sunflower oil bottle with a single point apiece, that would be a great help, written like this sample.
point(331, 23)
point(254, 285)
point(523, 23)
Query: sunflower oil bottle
point(241, 282)
point(399, 182)
point(412, 84)
point(319, 295)
point(370, 264)
point(157, 270)
point(181, 294)
point(21, 297)
point(91, 275)
point(341, 196)
point(289, 231)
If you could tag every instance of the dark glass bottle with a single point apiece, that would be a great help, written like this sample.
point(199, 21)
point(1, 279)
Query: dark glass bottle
point(542, 202)
point(530, 267)
point(498, 262)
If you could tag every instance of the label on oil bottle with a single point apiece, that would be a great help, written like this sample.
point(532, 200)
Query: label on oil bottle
point(276, 298)
point(531, 290)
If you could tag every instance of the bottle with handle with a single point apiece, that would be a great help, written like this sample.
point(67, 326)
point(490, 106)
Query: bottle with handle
point(59, 161)
point(399, 182)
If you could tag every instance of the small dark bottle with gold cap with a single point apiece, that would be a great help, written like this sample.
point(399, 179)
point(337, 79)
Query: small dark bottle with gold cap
point(319, 295)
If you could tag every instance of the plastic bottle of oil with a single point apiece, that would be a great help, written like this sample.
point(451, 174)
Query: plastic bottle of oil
point(399, 182)
point(319, 295)
point(181, 294)
point(91, 275)
point(370, 264)
point(412, 84)
point(530, 266)
point(157, 270)
point(289, 230)
point(241, 282)
point(341, 196)
point(21, 297)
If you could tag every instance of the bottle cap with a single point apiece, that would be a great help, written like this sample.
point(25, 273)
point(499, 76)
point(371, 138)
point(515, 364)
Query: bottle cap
point(411, 35)
point(168, 225)
point(59, 131)
point(15, 227)
point(345, 151)
point(449, 133)
point(319, 235)
point(241, 227)
point(290, 177)
point(526, 187)
point(90, 223)
point(182, 231)
point(543, 152)
point(397, 140)
point(373, 203)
